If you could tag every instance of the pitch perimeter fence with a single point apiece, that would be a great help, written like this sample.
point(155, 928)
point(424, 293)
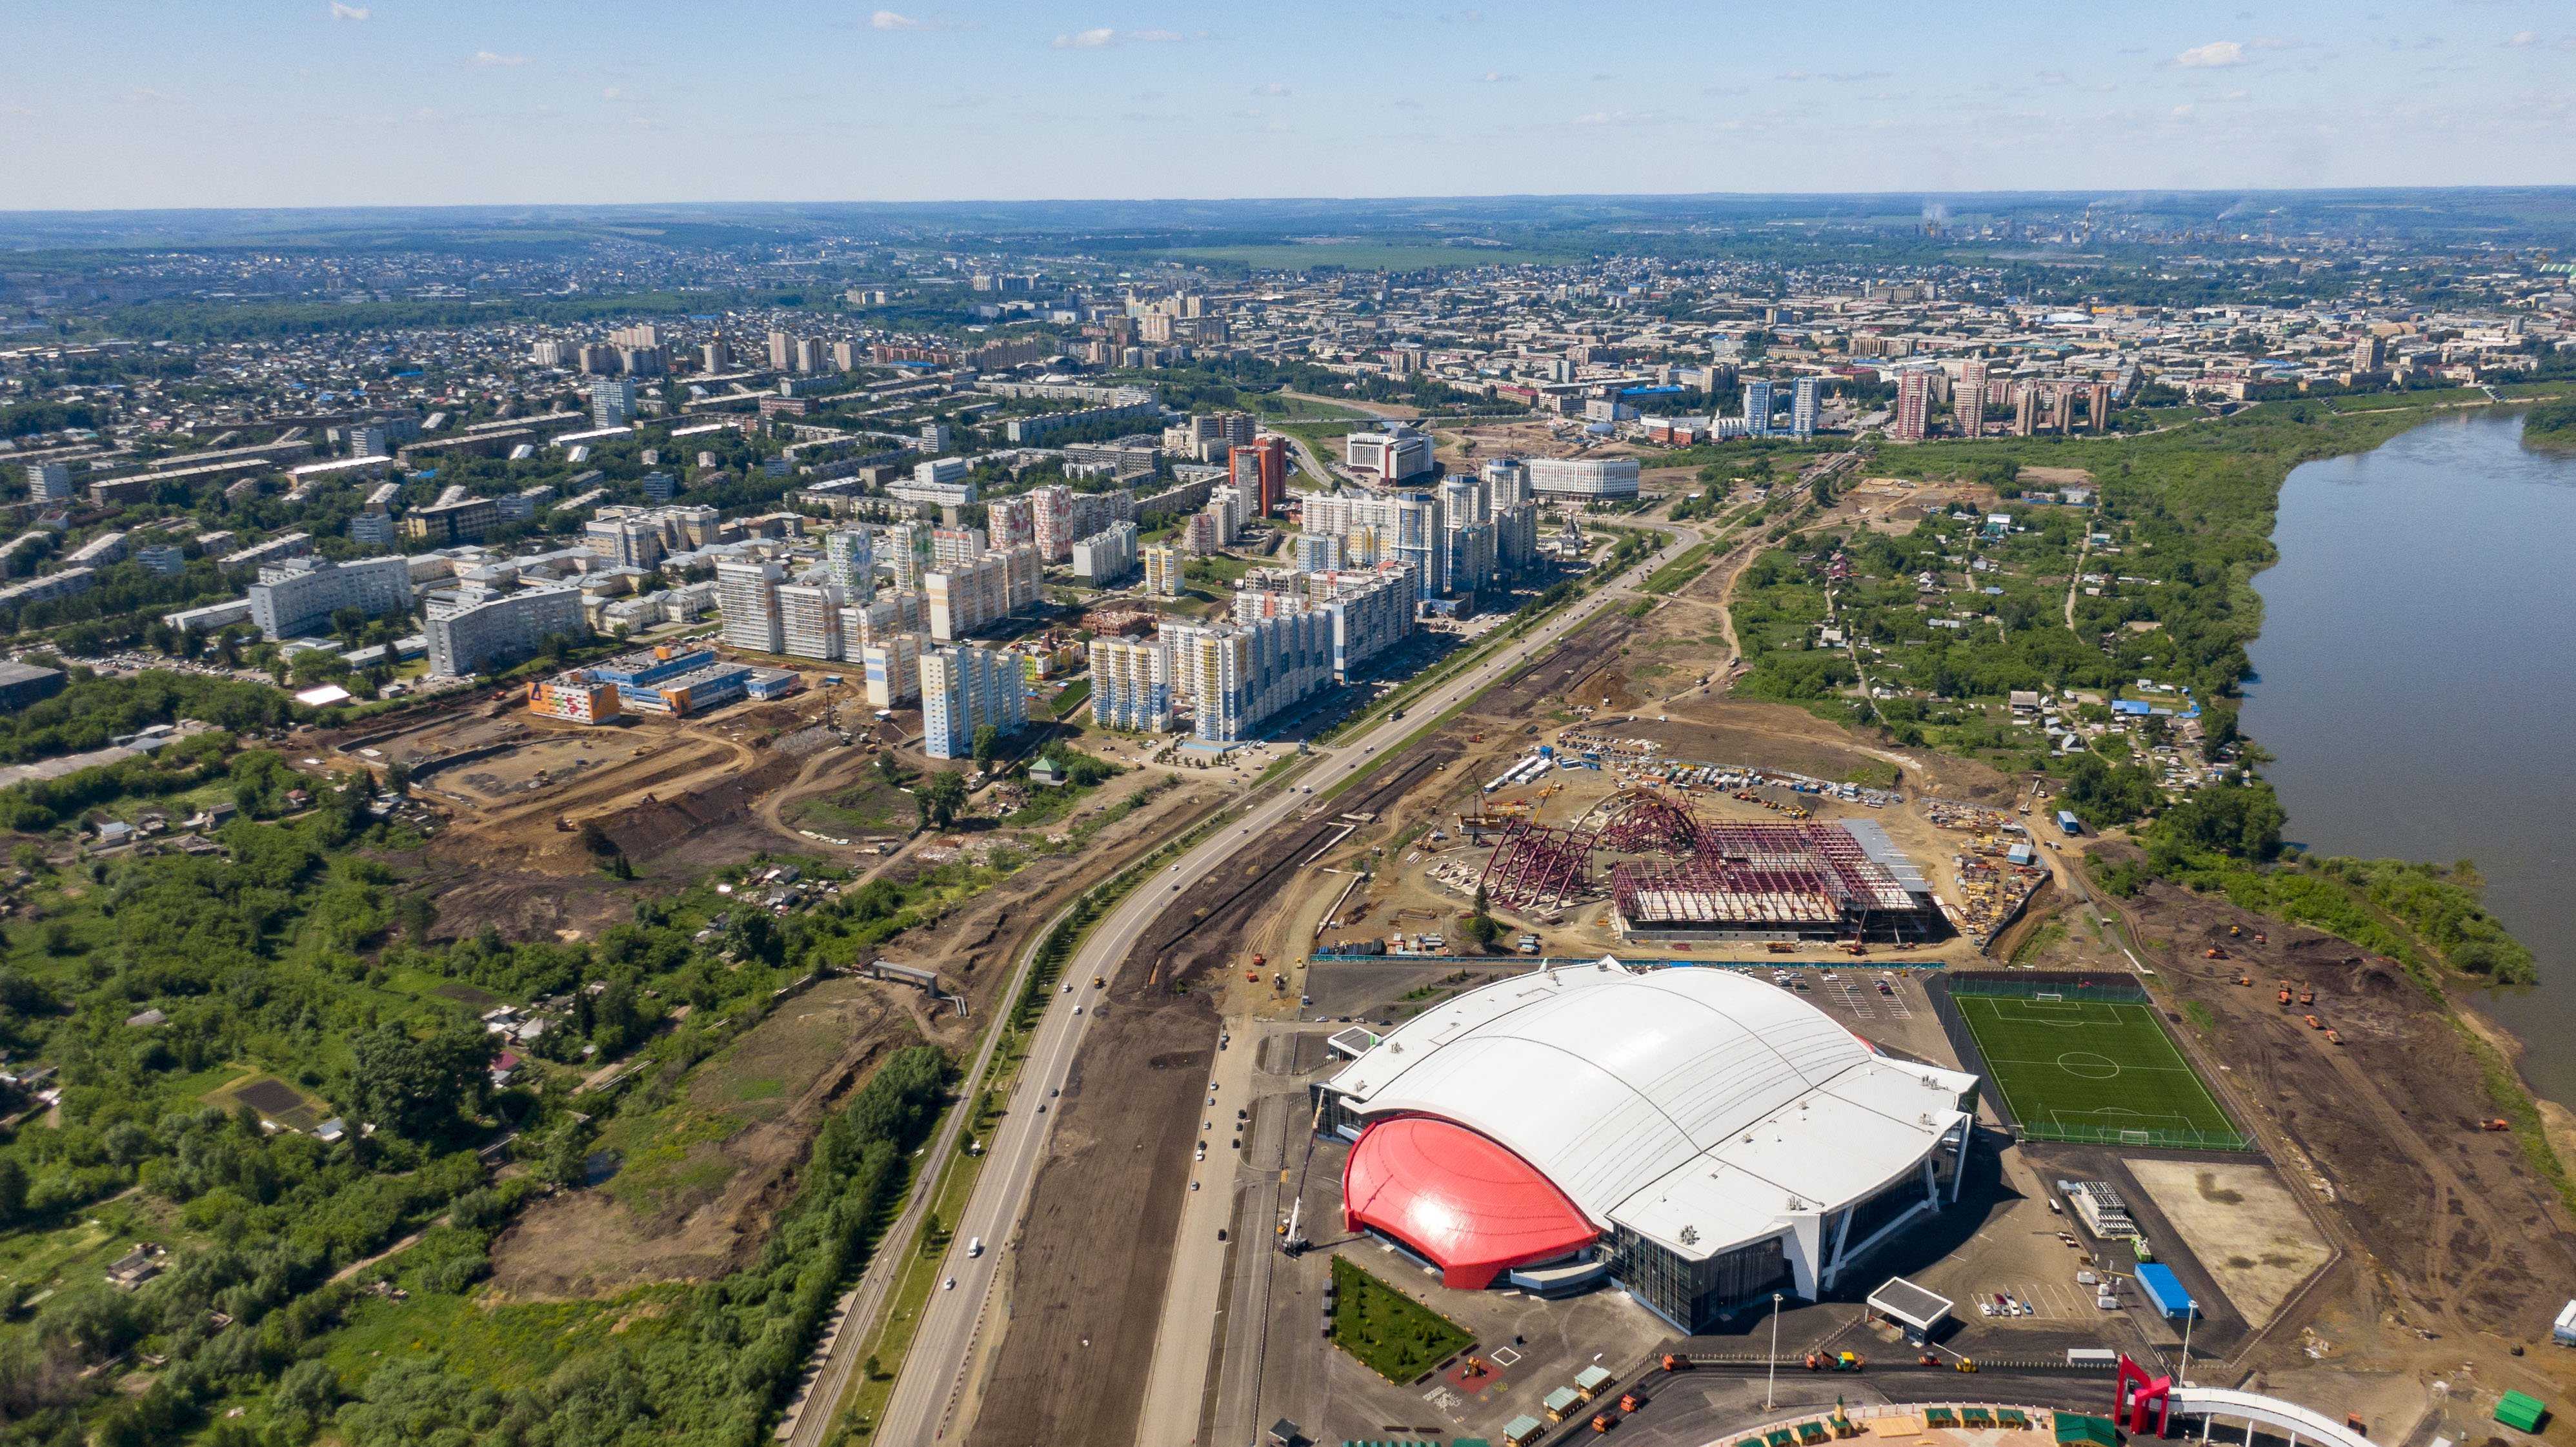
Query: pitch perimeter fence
point(1944, 989)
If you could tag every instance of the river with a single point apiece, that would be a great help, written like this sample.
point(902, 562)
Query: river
point(2415, 678)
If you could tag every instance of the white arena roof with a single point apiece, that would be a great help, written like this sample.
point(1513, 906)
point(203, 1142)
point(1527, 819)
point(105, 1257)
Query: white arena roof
point(1701, 1108)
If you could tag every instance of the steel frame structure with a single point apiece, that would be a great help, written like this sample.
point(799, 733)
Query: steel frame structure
point(1537, 867)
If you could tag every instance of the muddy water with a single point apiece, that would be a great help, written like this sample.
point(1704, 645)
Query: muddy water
point(2416, 677)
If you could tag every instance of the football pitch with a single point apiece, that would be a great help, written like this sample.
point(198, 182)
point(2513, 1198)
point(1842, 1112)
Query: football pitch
point(2098, 1071)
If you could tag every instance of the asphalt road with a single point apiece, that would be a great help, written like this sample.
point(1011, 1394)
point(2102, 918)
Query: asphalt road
point(933, 1373)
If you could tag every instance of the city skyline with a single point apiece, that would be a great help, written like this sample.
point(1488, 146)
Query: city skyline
point(393, 103)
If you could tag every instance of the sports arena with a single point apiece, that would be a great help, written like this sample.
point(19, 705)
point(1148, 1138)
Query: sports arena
point(1695, 1136)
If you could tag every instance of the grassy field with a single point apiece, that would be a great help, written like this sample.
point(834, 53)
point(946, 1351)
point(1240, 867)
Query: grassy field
point(872, 808)
point(2094, 1070)
point(1392, 1334)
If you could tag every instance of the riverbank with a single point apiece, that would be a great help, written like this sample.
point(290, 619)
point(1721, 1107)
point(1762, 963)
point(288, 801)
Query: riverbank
point(2415, 665)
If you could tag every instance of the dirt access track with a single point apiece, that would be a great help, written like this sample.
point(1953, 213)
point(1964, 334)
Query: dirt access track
point(1095, 1249)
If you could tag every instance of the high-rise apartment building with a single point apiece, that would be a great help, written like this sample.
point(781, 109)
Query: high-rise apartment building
point(1507, 483)
point(956, 547)
point(1012, 522)
point(1261, 466)
point(1051, 521)
point(849, 557)
point(813, 355)
point(1131, 684)
point(968, 598)
point(891, 666)
point(963, 690)
point(1164, 565)
point(747, 600)
point(1237, 677)
point(903, 549)
point(2025, 408)
point(1968, 403)
point(1106, 557)
point(1805, 399)
point(782, 352)
point(2097, 405)
point(1913, 405)
point(612, 401)
point(809, 620)
point(1757, 407)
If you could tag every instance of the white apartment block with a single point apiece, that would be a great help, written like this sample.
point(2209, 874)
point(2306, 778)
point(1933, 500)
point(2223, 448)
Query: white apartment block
point(1131, 684)
point(892, 667)
point(964, 689)
point(968, 599)
point(1106, 557)
point(503, 629)
point(298, 596)
point(809, 620)
point(747, 597)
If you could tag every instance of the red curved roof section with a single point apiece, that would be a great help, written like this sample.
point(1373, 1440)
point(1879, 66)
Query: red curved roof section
point(1464, 1203)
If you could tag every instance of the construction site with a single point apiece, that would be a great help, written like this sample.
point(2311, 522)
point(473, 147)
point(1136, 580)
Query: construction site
point(1613, 797)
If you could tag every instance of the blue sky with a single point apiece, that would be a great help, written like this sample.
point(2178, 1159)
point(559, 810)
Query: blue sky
point(106, 103)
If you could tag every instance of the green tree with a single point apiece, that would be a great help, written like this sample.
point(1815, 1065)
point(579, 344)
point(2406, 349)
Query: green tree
point(942, 797)
point(988, 744)
point(415, 1087)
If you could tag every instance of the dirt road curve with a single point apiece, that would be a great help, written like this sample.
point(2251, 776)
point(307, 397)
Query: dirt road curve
point(919, 1412)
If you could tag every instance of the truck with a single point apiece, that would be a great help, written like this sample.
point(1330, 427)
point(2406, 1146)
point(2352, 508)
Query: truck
point(2068, 824)
point(974, 1247)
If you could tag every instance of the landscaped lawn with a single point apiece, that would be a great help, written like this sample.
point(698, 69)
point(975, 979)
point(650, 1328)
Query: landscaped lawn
point(1392, 1334)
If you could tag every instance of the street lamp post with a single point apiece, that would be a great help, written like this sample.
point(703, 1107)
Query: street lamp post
point(1774, 1377)
point(2183, 1377)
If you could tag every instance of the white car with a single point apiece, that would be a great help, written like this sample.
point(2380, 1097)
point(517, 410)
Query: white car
point(949, 1285)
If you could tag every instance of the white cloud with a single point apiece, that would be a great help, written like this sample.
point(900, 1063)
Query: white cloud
point(2182, 111)
point(1153, 37)
point(1496, 77)
point(890, 20)
point(1103, 37)
point(1273, 88)
point(1087, 39)
point(2216, 52)
point(613, 93)
point(494, 57)
point(2522, 38)
point(348, 12)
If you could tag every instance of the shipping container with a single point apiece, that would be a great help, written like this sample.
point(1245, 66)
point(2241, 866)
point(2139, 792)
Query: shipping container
point(2164, 1289)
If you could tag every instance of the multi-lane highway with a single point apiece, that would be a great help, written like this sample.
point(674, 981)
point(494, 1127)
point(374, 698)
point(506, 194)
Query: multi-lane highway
point(918, 1415)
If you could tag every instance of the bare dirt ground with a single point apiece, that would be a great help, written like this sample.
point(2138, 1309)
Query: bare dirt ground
point(2457, 1250)
point(2243, 1225)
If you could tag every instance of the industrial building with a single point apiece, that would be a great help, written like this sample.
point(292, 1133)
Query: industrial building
point(1695, 1137)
